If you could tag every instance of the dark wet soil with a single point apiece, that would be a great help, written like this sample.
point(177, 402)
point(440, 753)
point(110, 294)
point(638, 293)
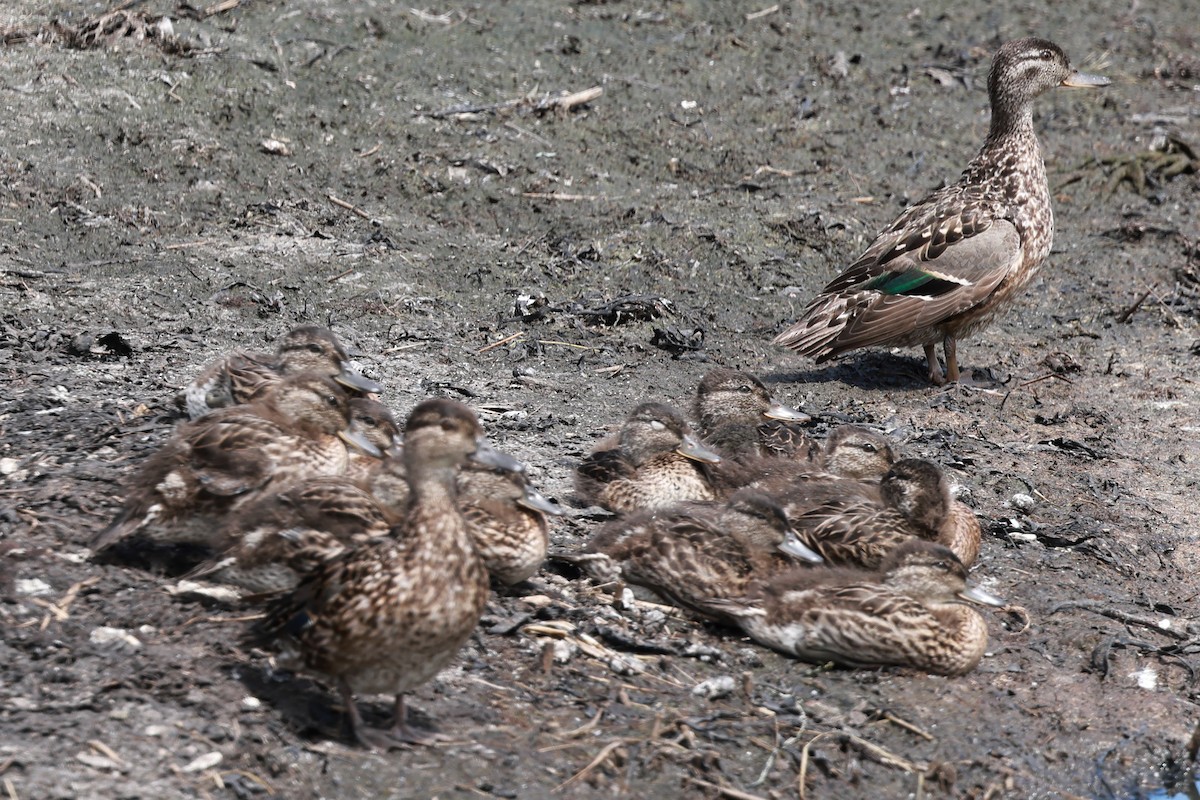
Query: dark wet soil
point(404, 176)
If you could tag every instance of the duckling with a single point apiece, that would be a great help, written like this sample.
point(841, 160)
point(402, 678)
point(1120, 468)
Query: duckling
point(947, 266)
point(908, 613)
point(241, 377)
point(738, 417)
point(850, 525)
point(655, 462)
point(212, 465)
point(696, 551)
point(387, 616)
point(506, 518)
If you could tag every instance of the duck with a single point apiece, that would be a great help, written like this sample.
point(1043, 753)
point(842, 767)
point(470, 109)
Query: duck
point(908, 613)
point(389, 615)
point(374, 423)
point(241, 377)
point(655, 462)
point(506, 519)
point(852, 458)
point(695, 551)
point(860, 524)
point(739, 418)
point(214, 464)
point(269, 545)
point(949, 265)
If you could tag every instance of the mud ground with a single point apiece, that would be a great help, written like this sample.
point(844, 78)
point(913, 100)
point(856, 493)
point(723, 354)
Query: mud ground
point(403, 175)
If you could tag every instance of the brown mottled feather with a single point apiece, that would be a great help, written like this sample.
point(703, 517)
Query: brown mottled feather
point(212, 465)
point(649, 467)
point(906, 614)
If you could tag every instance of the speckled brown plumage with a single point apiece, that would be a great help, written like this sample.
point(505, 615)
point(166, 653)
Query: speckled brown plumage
point(850, 453)
point(861, 528)
point(655, 462)
point(242, 377)
point(387, 616)
point(738, 417)
point(222, 460)
point(373, 421)
point(506, 518)
point(909, 613)
point(694, 551)
point(949, 264)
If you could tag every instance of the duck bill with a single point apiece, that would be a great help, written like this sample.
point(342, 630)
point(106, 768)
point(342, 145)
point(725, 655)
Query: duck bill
point(349, 378)
point(798, 549)
point(359, 442)
point(977, 595)
point(1082, 80)
point(536, 501)
point(691, 448)
point(489, 456)
point(779, 411)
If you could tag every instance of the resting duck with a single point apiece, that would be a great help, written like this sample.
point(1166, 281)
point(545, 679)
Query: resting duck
point(214, 464)
point(655, 462)
point(387, 616)
point(908, 613)
point(696, 551)
point(506, 518)
point(241, 377)
point(946, 267)
point(850, 454)
point(738, 417)
point(859, 524)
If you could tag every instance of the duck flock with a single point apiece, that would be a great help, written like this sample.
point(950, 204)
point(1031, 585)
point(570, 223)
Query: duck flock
point(371, 549)
point(372, 552)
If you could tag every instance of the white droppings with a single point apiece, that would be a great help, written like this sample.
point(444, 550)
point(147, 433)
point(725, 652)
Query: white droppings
point(105, 635)
point(201, 763)
point(715, 688)
point(33, 587)
point(1146, 677)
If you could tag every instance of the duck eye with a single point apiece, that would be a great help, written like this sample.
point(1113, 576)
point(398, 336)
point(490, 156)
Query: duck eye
point(332, 401)
point(1046, 55)
point(869, 448)
point(313, 347)
point(744, 389)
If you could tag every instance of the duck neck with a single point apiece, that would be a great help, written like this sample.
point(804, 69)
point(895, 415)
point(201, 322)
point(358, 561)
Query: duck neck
point(433, 506)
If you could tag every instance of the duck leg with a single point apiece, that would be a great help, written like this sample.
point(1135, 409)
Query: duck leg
point(935, 369)
point(403, 732)
point(368, 737)
point(950, 346)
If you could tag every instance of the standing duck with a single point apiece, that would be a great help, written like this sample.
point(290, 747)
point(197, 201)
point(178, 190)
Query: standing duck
point(947, 266)
point(738, 416)
point(387, 616)
point(241, 377)
point(698, 551)
point(908, 613)
point(214, 464)
point(655, 462)
point(863, 526)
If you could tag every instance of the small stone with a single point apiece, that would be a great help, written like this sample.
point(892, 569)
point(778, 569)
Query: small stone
point(9, 465)
point(154, 731)
point(536, 600)
point(715, 688)
point(251, 703)
point(1023, 502)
